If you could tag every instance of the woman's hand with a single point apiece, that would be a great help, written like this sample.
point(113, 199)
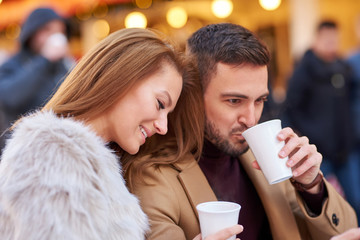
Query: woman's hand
point(223, 234)
point(351, 234)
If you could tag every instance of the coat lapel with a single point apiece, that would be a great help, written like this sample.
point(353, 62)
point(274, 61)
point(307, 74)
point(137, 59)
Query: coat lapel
point(194, 182)
point(281, 219)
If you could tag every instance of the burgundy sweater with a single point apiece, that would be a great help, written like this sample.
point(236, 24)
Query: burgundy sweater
point(230, 182)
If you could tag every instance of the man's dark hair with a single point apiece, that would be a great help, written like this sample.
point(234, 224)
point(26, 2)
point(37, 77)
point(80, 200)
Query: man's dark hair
point(327, 24)
point(227, 43)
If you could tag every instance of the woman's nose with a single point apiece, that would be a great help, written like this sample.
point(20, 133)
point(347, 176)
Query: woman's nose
point(161, 125)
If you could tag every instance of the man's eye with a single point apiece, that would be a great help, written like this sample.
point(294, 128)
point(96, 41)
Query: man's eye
point(161, 105)
point(233, 101)
point(263, 99)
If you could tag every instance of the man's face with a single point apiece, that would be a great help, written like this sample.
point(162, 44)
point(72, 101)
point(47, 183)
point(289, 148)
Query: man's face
point(327, 44)
point(234, 100)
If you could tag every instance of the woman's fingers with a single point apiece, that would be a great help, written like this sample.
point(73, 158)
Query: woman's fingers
point(223, 234)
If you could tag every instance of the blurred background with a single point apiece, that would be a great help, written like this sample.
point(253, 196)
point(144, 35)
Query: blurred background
point(287, 26)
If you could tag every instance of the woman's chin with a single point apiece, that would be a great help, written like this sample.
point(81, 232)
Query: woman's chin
point(133, 150)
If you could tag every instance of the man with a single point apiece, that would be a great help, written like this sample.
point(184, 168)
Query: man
point(318, 105)
point(232, 65)
point(29, 77)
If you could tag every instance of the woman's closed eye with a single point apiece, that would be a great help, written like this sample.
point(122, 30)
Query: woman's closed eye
point(161, 105)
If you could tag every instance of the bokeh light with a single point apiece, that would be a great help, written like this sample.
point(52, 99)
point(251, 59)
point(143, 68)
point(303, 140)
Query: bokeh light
point(222, 8)
point(135, 20)
point(176, 17)
point(83, 15)
point(100, 11)
point(270, 5)
point(12, 31)
point(101, 28)
point(143, 3)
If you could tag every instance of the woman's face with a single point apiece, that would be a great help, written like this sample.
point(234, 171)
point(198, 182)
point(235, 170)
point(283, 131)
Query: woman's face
point(143, 111)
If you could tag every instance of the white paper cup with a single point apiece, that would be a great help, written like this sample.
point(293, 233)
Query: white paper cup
point(266, 147)
point(217, 215)
point(57, 40)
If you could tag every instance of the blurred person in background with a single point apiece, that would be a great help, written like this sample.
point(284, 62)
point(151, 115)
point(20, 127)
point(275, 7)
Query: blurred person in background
point(318, 105)
point(4, 55)
point(29, 77)
point(3, 125)
point(354, 61)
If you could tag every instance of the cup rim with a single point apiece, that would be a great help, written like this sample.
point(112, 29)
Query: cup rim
point(236, 206)
point(263, 123)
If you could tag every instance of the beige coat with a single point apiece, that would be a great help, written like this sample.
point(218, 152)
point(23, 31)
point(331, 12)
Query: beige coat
point(172, 192)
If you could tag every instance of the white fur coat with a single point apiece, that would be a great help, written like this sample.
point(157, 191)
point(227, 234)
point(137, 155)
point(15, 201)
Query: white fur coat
point(58, 180)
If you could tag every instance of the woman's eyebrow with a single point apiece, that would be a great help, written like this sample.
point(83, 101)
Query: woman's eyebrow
point(167, 95)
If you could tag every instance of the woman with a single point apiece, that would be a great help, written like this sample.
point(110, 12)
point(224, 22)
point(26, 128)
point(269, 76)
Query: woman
point(351, 234)
point(59, 175)
point(59, 179)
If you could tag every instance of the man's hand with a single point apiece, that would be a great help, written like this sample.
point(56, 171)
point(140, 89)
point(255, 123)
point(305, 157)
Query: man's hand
point(304, 159)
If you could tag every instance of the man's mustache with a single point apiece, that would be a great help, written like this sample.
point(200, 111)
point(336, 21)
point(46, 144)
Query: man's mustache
point(238, 130)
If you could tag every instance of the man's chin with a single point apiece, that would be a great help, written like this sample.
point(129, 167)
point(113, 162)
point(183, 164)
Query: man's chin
point(238, 144)
point(236, 149)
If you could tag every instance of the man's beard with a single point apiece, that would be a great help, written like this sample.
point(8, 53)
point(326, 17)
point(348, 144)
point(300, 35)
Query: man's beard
point(224, 144)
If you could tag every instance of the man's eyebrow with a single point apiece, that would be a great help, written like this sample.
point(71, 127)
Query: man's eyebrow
point(265, 95)
point(239, 95)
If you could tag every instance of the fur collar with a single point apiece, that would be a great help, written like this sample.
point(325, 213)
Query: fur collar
point(58, 180)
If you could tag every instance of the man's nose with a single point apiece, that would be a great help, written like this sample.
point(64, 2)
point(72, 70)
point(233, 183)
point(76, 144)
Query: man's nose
point(248, 116)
